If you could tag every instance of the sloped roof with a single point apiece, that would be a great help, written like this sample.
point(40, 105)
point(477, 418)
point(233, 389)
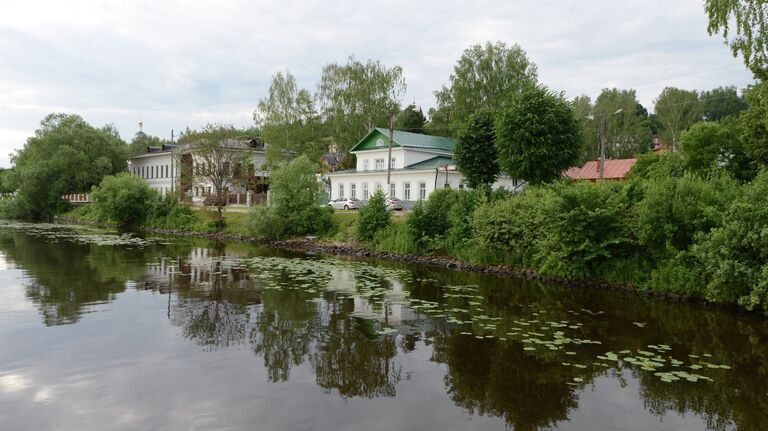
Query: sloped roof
point(407, 140)
point(613, 170)
point(434, 162)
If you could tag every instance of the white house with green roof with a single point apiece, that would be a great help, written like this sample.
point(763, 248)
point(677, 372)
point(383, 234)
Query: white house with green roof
point(420, 165)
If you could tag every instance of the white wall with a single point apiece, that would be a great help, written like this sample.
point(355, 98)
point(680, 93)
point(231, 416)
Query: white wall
point(398, 178)
point(371, 156)
point(159, 170)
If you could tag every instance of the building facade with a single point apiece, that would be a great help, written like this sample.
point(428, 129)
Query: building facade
point(420, 164)
point(174, 170)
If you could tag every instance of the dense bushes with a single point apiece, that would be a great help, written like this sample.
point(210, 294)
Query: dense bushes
point(679, 233)
point(126, 200)
point(293, 206)
point(122, 199)
point(374, 217)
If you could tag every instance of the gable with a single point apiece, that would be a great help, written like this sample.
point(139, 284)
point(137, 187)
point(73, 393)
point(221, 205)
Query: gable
point(378, 138)
point(374, 140)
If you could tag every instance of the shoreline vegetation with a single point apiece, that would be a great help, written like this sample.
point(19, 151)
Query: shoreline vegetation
point(645, 236)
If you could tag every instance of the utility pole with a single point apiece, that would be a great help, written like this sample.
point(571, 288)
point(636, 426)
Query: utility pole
point(602, 146)
point(389, 155)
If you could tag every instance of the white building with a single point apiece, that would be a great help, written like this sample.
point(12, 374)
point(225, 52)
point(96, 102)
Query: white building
point(158, 167)
point(170, 169)
point(420, 165)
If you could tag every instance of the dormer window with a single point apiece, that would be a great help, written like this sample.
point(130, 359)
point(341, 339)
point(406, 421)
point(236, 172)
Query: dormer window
point(380, 142)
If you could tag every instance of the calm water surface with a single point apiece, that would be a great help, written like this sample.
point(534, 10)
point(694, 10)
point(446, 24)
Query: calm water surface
point(99, 331)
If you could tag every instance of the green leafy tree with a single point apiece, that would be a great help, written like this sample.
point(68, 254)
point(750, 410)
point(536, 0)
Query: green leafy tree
point(677, 110)
point(123, 199)
point(750, 35)
point(754, 124)
point(141, 141)
point(289, 120)
point(219, 154)
point(357, 97)
point(484, 77)
point(537, 135)
point(711, 145)
point(583, 110)
point(411, 119)
point(6, 181)
point(721, 102)
point(294, 209)
point(624, 129)
point(66, 155)
point(734, 257)
point(374, 217)
point(475, 153)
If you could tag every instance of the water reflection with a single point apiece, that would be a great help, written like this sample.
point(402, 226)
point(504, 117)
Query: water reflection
point(521, 352)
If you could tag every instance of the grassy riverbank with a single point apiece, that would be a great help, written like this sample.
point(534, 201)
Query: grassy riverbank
point(676, 234)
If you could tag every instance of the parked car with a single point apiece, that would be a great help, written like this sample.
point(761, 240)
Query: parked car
point(395, 204)
point(213, 200)
point(345, 204)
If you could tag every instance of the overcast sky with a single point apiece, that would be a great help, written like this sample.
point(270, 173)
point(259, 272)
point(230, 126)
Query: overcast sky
point(173, 64)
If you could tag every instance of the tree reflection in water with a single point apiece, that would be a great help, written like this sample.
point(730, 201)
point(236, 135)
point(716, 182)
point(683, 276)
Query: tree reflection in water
point(332, 322)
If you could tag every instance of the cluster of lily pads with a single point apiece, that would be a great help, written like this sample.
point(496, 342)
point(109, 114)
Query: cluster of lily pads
point(463, 307)
point(79, 234)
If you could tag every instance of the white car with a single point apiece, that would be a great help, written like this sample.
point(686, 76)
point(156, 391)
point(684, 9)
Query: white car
point(345, 204)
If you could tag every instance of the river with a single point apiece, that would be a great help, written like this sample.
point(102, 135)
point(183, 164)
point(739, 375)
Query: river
point(102, 331)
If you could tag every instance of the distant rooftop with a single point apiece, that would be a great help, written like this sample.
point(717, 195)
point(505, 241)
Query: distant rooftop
point(613, 170)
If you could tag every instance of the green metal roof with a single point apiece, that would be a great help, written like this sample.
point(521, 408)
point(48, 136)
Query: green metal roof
point(434, 162)
point(404, 139)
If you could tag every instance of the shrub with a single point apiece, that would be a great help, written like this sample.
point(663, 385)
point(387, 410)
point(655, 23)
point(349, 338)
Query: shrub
point(585, 229)
point(673, 211)
point(122, 199)
point(430, 221)
point(734, 257)
point(374, 216)
point(293, 206)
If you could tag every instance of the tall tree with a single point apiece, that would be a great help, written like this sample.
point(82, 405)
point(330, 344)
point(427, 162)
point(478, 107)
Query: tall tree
point(66, 155)
point(358, 96)
point(484, 77)
point(583, 111)
point(751, 32)
point(717, 145)
point(624, 128)
point(537, 135)
point(721, 102)
point(289, 121)
point(141, 141)
point(475, 153)
point(754, 124)
point(677, 110)
point(220, 157)
point(411, 119)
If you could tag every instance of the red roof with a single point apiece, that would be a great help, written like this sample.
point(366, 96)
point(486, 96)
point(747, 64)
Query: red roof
point(614, 170)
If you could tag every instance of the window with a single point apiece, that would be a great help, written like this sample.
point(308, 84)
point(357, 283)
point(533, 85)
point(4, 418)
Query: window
point(392, 163)
point(380, 164)
point(422, 191)
point(392, 190)
point(365, 164)
point(341, 190)
point(166, 171)
point(407, 191)
point(378, 186)
point(365, 191)
point(352, 191)
point(142, 172)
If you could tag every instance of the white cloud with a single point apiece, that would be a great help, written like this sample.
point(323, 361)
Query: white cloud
point(174, 64)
